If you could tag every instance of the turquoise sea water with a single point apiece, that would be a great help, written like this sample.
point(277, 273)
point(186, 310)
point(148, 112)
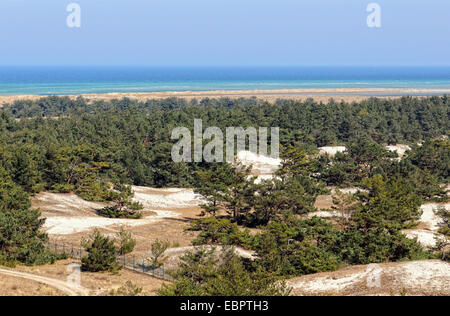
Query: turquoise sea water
point(77, 80)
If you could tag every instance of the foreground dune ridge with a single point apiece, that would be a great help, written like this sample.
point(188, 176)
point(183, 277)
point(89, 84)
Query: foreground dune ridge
point(427, 277)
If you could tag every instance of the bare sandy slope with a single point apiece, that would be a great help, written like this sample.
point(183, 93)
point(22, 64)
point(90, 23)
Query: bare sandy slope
point(67, 288)
point(69, 214)
point(16, 286)
point(429, 277)
point(323, 95)
point(430, 222)
point(166, 215)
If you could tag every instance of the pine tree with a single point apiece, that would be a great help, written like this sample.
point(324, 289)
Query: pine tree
point(102, 254)
point(21, 238)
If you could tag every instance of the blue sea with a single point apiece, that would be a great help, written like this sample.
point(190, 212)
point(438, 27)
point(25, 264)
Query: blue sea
point(82, 80)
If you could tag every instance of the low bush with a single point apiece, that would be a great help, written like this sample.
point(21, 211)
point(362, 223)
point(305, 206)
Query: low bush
point(115, 212)
point(126, 242)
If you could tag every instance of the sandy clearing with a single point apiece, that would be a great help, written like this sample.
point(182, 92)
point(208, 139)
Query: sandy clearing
point(166, 198)
point(400, 149)
point(62, 225)
point(332, 150)
point(323, 214)
point(429, 216)
point(262, 165)
point(173, 255)
point(430, 222)
point(70, 289)
point(425, 237)
point(65, 203)
point(182, 250)
point(69, 214)
point(264, 177)
point(429, 277)
point(325, 201)
point(350, 190)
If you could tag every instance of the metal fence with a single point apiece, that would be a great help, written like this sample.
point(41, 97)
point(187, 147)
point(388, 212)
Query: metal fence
point(130, 262)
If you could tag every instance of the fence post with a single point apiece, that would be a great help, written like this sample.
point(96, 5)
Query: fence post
point(143, 264)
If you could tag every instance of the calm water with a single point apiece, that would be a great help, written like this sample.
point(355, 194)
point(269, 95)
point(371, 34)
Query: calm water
point(76, 80)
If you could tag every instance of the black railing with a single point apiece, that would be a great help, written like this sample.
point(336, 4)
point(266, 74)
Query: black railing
point(130, 262)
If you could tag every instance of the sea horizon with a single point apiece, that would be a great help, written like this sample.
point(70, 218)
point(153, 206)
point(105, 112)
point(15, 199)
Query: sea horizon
point(73, 80)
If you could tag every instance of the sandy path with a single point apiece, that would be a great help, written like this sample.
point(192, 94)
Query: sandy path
point(57, 284)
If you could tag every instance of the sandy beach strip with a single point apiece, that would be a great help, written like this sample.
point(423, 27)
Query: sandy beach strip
point(319, 95)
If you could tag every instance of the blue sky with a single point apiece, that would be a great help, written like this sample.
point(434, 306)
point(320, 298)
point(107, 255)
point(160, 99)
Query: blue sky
point(224, 32)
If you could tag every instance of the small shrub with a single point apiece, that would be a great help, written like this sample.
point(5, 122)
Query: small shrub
point(128, 289)
point(126, 242)
point(63, 188)
point(115, 212)
point(158, 249)
point(135, 206)
point(445, 226)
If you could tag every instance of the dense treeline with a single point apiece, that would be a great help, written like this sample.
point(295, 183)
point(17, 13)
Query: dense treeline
point(385, 121)
point(65, 144)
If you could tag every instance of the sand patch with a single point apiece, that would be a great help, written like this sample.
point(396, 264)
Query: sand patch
point(400, 149)
point(62, 225)
point(67, 204)
point(166, 198)
point(429, 277)
point(332, 150)
point(173, 255)
point(261, 165)
point(425, 237)
point(430, 217)
point(430, 223)
point(69, 214)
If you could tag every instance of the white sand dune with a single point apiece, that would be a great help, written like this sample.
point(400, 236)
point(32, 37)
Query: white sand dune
point(428, 277)
point(428, 235)
point(166, 198)
point(63, 225)
point(69, 214)
point(332, 150)
point(262, 165)
point(400, 149)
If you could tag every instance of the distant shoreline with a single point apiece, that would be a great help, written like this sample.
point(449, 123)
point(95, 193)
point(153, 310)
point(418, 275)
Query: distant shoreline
point(320, 95)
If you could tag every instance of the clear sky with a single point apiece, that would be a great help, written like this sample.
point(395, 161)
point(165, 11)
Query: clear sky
point(224, 32)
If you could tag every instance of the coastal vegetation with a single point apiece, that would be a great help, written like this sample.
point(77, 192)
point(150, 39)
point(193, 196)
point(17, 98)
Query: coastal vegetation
point(97, 149)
